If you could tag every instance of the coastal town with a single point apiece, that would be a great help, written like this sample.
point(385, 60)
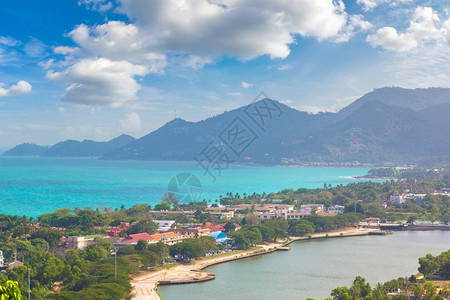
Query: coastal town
point(173, 243)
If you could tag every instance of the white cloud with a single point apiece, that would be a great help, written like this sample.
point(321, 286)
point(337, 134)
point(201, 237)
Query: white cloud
point(61, 109)
point(64, 50)
point(239, 28)
point(100, 81)
point(287, 101)
point(193, 33)
point(46, 64)
point(388, 38)
point(284, 67)
point(98, 5)
point(425, 26)
point(446, 30)
point(8, 41)
point(368, 5)
point(234, 94)
point(117, 40)
point(130, 124)
point(35, 48)
point(195, 62)
point(246, 85)
point(21, 87)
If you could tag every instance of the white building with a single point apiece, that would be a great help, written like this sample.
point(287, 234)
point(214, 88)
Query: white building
point(164, 225)
point(309, 208)
point(336, 209)
point(397, 199)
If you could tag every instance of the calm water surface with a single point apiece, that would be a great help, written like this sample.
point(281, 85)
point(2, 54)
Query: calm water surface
point(32, 186)
point(314, 268)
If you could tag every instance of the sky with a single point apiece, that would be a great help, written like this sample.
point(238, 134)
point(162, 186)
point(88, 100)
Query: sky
point(94, 69)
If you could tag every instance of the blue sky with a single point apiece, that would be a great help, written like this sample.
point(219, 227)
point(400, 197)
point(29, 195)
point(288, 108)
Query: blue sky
point(93, 69)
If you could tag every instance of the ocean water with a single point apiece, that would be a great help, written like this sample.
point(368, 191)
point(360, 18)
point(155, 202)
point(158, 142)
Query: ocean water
point(32, 185)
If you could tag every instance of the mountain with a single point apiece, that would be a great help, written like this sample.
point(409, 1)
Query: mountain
point(27, 149)
point(86, 148)
point(71, 148)
point(415, 99)
point(387, 125)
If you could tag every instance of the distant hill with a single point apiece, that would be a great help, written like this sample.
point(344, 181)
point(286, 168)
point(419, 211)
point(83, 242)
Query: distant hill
point(71, 148)
point(386, 125)
point(27, 149)
point(415, 99)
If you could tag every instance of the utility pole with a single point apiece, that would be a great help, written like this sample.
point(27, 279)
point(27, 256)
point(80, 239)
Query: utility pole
point(29, 284)
point(115, 261)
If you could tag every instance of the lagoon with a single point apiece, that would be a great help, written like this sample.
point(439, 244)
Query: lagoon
point(34, 185)
point(313, 268)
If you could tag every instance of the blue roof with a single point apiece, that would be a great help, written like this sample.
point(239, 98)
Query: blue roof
point(218, 235)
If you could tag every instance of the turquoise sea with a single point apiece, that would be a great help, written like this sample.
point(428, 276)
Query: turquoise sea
point(32, 185)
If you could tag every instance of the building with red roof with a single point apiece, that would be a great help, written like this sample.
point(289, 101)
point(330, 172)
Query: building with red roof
point(133, 239)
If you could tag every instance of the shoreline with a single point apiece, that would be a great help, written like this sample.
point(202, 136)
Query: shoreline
point(145, 285)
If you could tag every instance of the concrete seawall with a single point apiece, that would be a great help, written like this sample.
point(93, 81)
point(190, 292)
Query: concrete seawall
point(145, 285)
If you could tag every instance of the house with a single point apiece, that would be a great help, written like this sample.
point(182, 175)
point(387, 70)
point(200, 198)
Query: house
point(222, 214)
point(397, 199)
point(115, 231)
point(409, 296)
point(165, 225)
point(168, 238)
point(77, 242)
point(133, 239)
point(191, 232)
point(373, 221)
point(416, 197)
point(296, 216)
point(336, 209)
point(220, 227)
point(219, 236)
point(313, 207)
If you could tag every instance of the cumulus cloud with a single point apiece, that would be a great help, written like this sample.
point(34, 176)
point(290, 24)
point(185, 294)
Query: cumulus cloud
point(246, 85)
point(239, 28)
point(100, 81)
point(424, 26)
point(21, 87)
point(388, 38)
point(130, 124)
point(193, 33)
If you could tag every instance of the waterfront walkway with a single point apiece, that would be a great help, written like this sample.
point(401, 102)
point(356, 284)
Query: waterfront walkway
point(144, 286)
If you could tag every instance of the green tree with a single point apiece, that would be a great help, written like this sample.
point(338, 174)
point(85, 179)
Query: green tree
point(229, 226)
point(162, 206)
point(143, 226)
point(10, 290)
point(428, 265)
point(141, 245)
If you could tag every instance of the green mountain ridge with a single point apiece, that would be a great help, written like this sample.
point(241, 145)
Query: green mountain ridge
point(388, 125)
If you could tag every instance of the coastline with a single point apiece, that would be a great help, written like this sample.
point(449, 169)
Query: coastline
point(145, 285)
